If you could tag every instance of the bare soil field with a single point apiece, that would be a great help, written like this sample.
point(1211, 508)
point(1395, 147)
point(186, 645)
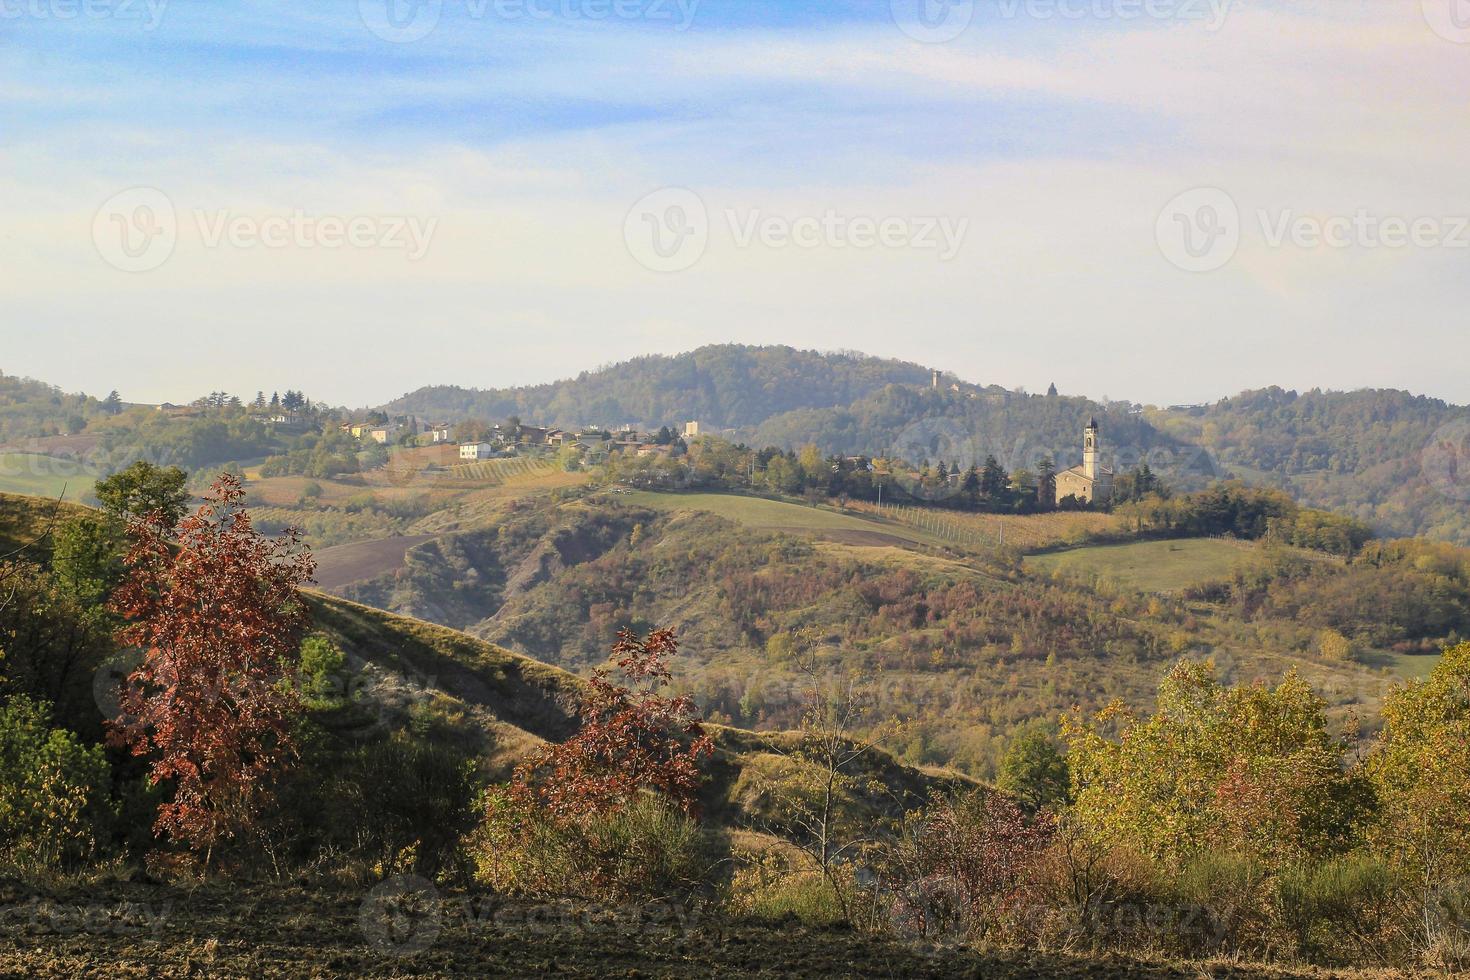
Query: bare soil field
point(348, 563)
point(264, 933)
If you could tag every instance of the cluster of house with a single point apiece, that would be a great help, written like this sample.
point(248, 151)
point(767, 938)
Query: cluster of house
point(590, 441)
point(391, 431)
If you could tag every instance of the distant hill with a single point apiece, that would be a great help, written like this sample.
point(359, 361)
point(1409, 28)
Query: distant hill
point(727, 386)
point(1358, 452)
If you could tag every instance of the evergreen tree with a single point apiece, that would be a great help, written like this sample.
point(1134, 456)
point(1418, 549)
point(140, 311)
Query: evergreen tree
point(1046, 484)
point(992, 479)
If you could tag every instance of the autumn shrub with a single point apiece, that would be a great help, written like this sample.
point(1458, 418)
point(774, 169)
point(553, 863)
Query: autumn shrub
point(609, 813)
point(405, 802)
point(1254, 770)
point(1342, 911)
point(774, 887)
point(960, 867)
point(1082, 894)
point(645, 849)
point(1230, 897)
point(55, 809)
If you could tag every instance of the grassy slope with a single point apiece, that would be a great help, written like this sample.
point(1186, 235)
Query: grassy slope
point(1149, 566)
point(510, 703)
point(25, 520)
point(779, 515)
point(43, 476)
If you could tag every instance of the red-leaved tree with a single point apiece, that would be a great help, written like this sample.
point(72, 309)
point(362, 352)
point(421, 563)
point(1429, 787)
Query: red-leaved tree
point(632, 739)
point(217, 616)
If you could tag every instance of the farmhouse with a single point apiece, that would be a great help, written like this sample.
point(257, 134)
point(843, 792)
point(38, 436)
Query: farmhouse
point(477, 451)
point(1091, 482)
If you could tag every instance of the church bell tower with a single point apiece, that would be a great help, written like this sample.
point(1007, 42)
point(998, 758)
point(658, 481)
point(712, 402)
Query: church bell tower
point(1089, 450)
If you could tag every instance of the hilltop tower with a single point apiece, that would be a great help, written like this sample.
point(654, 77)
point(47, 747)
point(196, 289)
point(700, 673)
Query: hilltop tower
point(934, 381)
point(1090, 450)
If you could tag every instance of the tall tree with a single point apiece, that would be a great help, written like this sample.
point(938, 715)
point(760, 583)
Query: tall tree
point(1046, 484)
point(219, 621)
point(143, 491)
point(992, 479)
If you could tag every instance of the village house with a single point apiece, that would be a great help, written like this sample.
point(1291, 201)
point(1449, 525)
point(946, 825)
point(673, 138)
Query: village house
point(476, 451)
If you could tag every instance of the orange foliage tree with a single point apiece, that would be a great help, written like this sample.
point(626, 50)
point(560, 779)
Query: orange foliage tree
point(632, 738)
point(217, 617)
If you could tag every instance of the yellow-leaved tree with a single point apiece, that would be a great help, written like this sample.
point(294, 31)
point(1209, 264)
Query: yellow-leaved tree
point(1421, 771)
point(1251, 770)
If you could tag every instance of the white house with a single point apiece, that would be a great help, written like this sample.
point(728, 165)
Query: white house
point(476, 451)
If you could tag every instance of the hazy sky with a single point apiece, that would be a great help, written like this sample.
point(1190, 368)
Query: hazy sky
point(1160, 200)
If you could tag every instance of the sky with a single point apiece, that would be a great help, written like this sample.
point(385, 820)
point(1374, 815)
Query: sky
point(1163, 201)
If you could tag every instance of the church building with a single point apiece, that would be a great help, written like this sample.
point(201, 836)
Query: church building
point(1091, 482)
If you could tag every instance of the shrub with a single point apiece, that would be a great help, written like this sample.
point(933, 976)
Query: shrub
point(646, 849)
point(770, 888)
point(54, 805)
point(1253, 770)
point(321, 664)
point(1341, 911)
point(407, 802)
point(962, 864)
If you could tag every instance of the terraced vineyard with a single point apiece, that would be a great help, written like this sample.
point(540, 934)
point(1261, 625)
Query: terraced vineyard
point(987, 532)
point(494, 472)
